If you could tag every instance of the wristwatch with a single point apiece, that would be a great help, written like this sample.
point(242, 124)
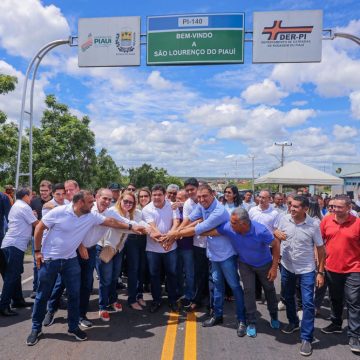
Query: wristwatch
point(37, 251)
point(130, 226)
point(321, 273)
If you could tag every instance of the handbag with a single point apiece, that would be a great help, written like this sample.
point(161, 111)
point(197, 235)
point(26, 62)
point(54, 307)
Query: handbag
point(108, 251)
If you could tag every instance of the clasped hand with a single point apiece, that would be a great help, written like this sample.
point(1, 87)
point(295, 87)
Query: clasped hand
point(166, 240)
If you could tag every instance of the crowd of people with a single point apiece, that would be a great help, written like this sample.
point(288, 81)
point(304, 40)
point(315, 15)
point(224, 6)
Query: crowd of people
point(205, 248)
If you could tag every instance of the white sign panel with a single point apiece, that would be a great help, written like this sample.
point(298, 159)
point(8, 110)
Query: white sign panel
point(287, 36)
point(111, 41)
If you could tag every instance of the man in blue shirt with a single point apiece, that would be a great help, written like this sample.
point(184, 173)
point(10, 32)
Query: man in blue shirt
point(251, 241)
point(220, 253)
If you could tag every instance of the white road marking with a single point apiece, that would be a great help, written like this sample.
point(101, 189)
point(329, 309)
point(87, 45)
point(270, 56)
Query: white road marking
point(27, 280)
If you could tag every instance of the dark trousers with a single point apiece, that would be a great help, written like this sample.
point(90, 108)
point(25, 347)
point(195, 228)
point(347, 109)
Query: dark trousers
point(248, 274)
point(12, 289)
point(169, 261)
point(345, 288)
point(201, 275)
point(136, 261)
point(87, 278)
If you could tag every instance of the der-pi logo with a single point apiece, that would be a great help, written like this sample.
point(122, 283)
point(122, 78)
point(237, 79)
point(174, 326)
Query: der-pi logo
point(286, 32)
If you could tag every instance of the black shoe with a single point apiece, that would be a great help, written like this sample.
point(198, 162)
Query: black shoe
point(22, 304)
point(306, 348)
point(33, 295)
point(241, 330)
point(33, 338)
point(174, 307)
point(154, 307)
point(212, 321)
point(49, 319)
point(354, 344)
point(185, 303)
point(78, 333)
point(332, 328)
point(85, 322)
point(8, 312)
point(290, 328)
point(120, 286)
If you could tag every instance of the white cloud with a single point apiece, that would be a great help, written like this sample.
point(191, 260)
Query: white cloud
point(27, 25)
point(344, 132)
point(156, 81)
point(299, 103)
point(263, 93)
point(11, 102)
point(355, 104)
point(337, 74)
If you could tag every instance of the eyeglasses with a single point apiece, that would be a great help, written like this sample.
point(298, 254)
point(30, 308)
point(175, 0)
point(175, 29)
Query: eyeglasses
point(330, 206)
point(172, 193)
point(131, 189)
point(128, 202)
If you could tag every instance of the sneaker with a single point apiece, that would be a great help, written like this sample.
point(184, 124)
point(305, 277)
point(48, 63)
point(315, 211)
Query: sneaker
point(85, 322)
point(174, 307)
point(49, 319)
point(78, 333)
point(281, 306)
point(306, 348)
point(33, 338)
point(251, 330)
point(354, 344)
point(332, 328)
point(116, 306)
point(300, 314)
point(290, 328)
point(104, 315)
point(212, 321)
point(241, 330)
point(275, 324)
point(136, 306)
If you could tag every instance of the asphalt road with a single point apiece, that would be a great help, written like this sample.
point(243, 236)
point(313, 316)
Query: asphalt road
point(139, 335)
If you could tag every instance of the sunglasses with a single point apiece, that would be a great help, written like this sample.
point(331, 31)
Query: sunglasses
point(131, 189)
point(128, 202)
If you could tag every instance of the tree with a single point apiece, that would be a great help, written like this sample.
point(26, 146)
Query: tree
point(106, 169)
point(7, 84)
point(64, 146)
point(146, 175)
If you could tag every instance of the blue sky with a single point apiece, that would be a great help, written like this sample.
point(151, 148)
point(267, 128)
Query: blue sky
point(195, 120)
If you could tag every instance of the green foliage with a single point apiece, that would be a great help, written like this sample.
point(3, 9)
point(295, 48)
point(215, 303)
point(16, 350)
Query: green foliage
point(146, 175)
point(7, 84)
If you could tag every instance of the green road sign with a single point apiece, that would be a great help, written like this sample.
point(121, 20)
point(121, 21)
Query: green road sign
point(195, 39)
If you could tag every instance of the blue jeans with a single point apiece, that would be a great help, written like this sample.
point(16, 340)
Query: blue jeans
point(108, 276)
point(12, 278)
point(307, 286)
point(155, 260)
point(185, 266)
point(70, 275)
point(228, 269)
point(87, 278)
point(136, 260)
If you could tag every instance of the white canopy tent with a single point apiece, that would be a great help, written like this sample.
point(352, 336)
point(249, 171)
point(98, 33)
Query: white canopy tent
point(296, 173)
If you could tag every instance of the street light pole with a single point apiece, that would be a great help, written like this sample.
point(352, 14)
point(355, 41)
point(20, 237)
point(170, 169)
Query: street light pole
point(252, 157)
point(283, 144)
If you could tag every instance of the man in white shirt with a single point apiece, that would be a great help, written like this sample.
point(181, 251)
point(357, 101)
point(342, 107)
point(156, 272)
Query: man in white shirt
point(160, 216)
point(264, 214)
point(248, 203)
point(201, 262)
point(68, 226)
point(14, 245)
